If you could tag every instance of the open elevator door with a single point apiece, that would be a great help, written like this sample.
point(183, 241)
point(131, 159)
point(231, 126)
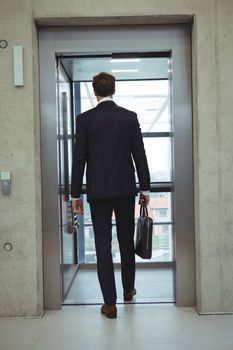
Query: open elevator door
point(143, 84)
point(104, 39)
point(65, 143)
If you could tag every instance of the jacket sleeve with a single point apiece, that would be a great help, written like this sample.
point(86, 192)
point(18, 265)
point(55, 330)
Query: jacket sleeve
point(79, 159)
point(139, 157)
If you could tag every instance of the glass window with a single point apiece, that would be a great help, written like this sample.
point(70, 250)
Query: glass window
point(163, 212)
point(162, 229)
point(149, 99)
point(158, 151)
point(63, 134)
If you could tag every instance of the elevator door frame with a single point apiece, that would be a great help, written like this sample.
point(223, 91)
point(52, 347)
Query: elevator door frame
point(119, 39)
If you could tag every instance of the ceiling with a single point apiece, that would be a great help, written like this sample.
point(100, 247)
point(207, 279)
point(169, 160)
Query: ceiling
point(83, 69)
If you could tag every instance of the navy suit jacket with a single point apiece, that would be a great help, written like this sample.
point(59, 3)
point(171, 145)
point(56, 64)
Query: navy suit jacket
point(108, 140)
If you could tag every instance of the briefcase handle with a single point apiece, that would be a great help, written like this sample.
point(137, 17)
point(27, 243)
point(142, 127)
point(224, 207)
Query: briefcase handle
point(143, 210)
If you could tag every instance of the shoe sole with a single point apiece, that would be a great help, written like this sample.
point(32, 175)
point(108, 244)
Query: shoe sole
point(111, 316)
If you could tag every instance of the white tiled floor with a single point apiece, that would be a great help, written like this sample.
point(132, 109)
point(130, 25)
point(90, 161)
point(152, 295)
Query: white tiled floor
point(138, 327)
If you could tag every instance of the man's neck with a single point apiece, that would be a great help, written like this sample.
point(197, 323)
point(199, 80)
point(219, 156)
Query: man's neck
point(103, 98)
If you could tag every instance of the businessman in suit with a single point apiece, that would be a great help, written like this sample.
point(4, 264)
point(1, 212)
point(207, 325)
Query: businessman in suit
point(109, 143)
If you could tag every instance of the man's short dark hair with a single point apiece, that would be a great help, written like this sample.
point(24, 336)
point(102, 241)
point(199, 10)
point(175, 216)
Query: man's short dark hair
point(104, 84)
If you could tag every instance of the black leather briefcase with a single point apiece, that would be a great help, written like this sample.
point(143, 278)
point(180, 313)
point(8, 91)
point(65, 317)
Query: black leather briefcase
point(143, 241)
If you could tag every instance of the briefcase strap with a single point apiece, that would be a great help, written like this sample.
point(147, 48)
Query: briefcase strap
point(143, 210)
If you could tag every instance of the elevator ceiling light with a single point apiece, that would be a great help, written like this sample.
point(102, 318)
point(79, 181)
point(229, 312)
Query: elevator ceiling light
point(125, 60)
point(124, 70)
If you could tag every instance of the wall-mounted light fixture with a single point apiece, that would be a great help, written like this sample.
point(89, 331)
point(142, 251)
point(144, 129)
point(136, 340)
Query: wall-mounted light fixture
point(124, 70)
point(18, 65)
point(125, 60)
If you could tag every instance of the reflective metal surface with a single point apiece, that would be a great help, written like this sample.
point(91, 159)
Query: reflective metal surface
point(111, 40)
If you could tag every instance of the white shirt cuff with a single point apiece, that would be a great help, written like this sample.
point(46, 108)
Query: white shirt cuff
point(145, 193)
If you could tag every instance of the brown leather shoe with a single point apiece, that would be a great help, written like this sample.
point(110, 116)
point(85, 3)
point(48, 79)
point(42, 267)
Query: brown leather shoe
point(110, 311)
point(129, 295)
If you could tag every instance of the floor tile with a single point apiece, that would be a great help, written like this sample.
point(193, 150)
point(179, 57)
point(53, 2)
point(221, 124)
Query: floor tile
point(138, 327)
point(187, 346)
point(20, 334)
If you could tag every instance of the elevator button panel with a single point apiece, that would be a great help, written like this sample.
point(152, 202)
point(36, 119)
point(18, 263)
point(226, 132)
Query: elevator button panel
point(6, 182)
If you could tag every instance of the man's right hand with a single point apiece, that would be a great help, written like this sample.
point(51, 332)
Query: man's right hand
point(77, 206)
point(144, 199)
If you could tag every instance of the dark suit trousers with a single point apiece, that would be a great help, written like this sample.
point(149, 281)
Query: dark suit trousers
point(101, 213)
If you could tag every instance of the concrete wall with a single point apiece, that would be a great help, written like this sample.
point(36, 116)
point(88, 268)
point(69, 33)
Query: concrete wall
point(20, 218)
point(20, 213)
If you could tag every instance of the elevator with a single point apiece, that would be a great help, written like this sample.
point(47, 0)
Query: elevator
point(152, 66)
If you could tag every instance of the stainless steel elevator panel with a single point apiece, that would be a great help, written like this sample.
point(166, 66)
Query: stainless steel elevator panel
point(120, 39)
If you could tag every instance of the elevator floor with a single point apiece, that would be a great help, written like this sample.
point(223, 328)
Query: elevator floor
point(153, 286)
